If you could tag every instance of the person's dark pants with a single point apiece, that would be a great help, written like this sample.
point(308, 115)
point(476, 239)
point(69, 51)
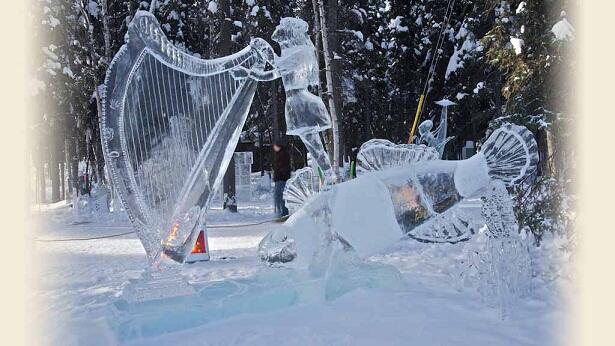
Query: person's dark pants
point(278, 201)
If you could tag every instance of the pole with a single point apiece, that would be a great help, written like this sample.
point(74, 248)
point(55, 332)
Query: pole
point(419, 108)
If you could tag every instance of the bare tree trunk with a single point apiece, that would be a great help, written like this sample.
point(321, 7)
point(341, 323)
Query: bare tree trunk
point(316, 36)
point(228, 188)
point(40, 178)
point(546, 148)
point(152, 6)
point(75, 165)
point(99, 157)
point(68, 193)
point(67, 161)
point(336, 70)
point(261, 153)
point(62, 181)
point(106, 32)
point(54, 175)
point(329, 77)
point(318, 43)
point(91, 42)
point(88, 159)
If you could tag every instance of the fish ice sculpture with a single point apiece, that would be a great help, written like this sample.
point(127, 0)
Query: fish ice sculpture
point(401, 190)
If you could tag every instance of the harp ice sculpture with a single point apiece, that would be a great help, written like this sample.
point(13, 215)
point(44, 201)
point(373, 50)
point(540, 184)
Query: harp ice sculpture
point(169, 125)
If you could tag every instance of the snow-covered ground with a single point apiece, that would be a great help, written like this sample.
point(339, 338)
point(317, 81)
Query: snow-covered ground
point(77, 283)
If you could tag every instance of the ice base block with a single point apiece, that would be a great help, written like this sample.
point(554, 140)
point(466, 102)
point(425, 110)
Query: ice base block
point(141, 318)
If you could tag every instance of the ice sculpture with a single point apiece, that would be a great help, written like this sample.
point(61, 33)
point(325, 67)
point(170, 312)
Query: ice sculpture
point(449, 226)
point(305, 113)
point(436, 139)
point(277, 247)
point(381, 154)
point(505, 268)
point(299, 188)
point(418, 198)
point(169, 125)
point(88, 207)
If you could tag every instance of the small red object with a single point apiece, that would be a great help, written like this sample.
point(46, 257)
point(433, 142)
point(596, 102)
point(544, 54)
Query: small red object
point(199, 246)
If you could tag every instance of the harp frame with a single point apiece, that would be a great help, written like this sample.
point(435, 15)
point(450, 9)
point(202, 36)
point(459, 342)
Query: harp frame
point(144, 36)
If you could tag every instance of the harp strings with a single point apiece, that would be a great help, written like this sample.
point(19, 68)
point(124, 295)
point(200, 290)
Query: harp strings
point(169, 117)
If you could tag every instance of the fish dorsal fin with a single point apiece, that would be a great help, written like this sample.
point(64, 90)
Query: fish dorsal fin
point(380, 154)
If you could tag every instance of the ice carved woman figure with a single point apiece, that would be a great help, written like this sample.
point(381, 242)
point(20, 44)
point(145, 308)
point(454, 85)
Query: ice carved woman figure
point(437, 138)
point(305, 113)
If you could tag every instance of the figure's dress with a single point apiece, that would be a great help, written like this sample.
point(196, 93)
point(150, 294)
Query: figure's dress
point(305, 112)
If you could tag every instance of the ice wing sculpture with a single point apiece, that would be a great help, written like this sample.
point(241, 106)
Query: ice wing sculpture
point(169, 125)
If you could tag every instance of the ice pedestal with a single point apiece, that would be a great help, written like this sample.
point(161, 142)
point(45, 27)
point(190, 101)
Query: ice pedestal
point(268, 290)
point(210, 303)
point(243, 175)
point(243, 179)
point(154, 286)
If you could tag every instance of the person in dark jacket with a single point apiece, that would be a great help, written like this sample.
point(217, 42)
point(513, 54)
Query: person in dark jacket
point(281, 173)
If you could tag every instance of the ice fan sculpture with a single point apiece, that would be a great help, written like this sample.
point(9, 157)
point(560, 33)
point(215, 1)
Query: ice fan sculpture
point(169, 125)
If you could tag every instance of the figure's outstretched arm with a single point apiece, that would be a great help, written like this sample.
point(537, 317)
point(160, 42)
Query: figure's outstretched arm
point(241, 72)
point(264, 76)
point(263, 49)
point(267, 55)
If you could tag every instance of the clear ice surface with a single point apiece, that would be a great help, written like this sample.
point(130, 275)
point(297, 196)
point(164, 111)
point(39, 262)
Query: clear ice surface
point(266, 291)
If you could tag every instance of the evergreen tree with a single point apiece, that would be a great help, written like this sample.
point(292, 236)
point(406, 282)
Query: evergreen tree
point(499, 60)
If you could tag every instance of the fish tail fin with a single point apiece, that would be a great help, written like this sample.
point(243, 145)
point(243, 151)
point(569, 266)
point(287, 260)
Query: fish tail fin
point(511, 153)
